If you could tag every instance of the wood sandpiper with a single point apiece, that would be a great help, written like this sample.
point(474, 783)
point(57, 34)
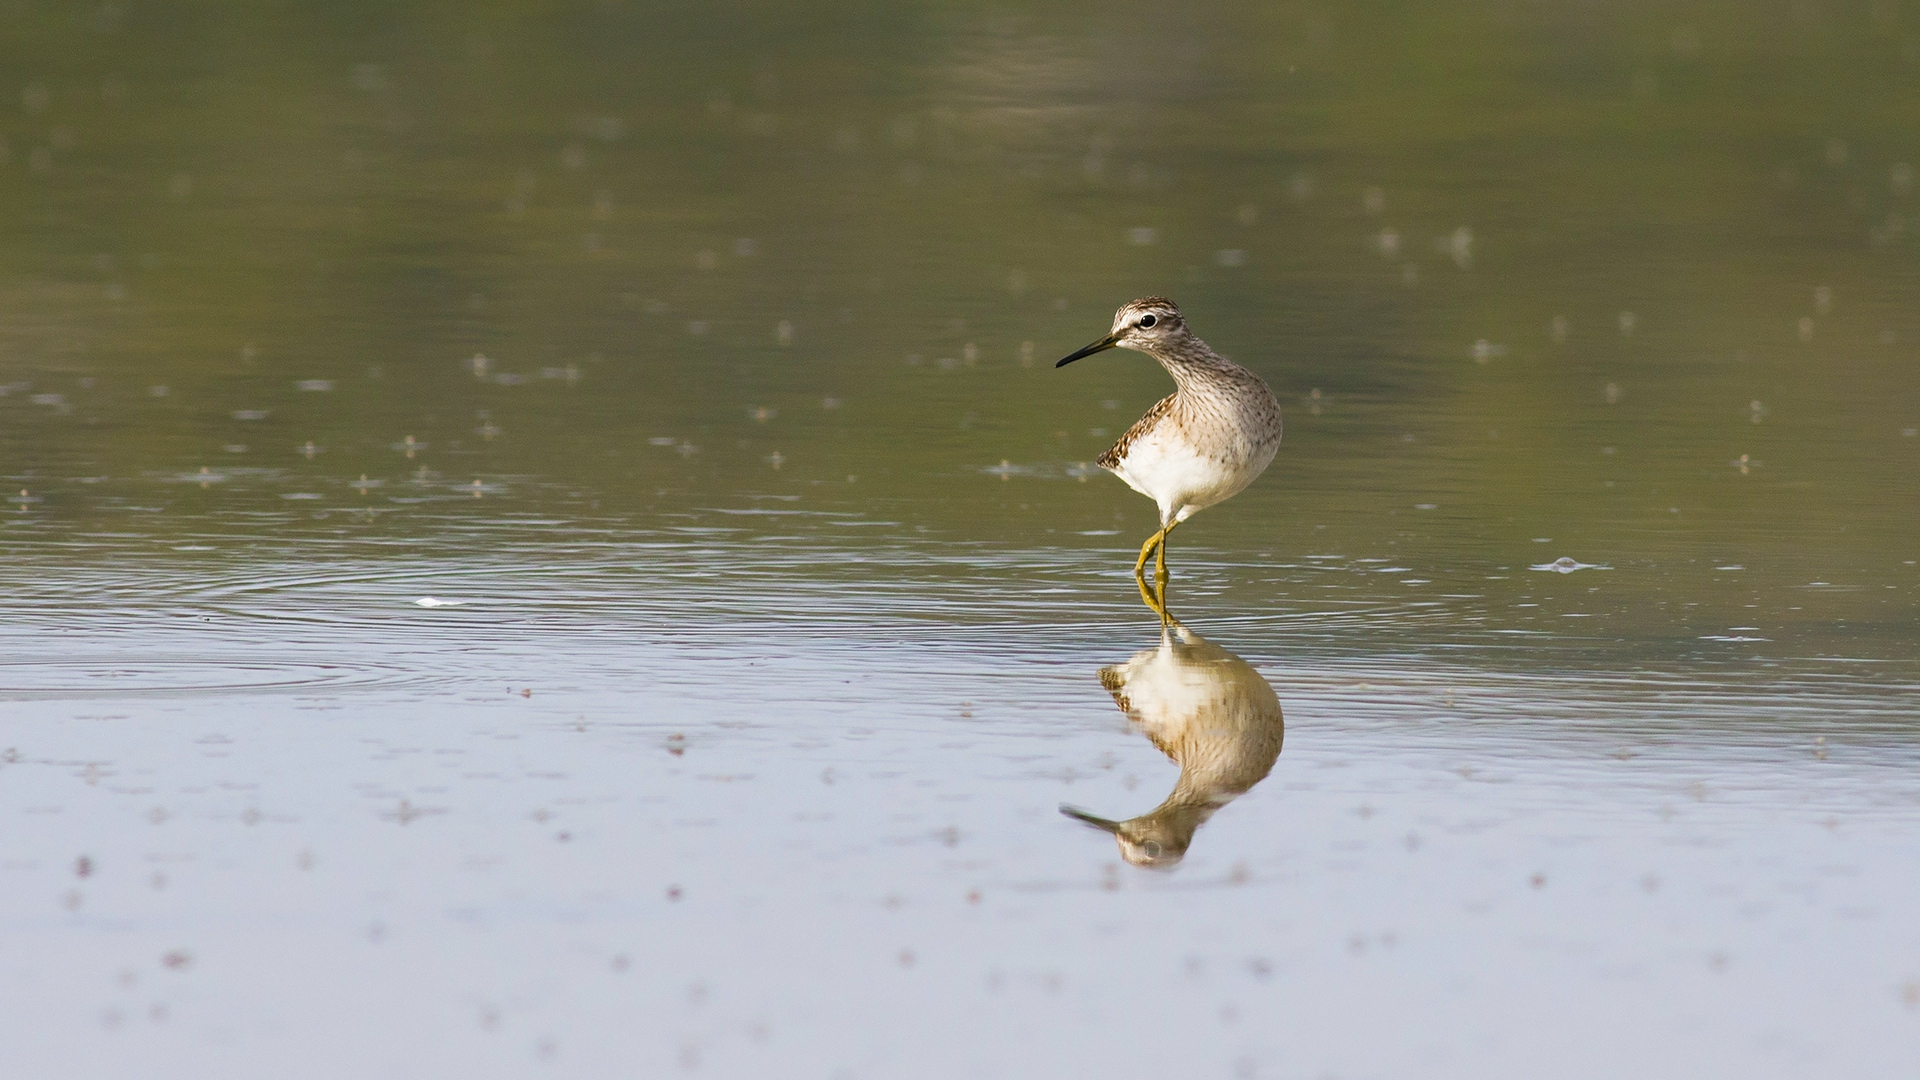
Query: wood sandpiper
point(1201, 444)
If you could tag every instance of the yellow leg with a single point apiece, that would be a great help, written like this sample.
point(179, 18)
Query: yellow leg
point(1160, 563)
point(1160, 570)
point(1155, 595)
point(1146, 549)
point(1140, 574)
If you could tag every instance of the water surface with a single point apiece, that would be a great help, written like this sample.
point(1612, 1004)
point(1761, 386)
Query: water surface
point(548, 538)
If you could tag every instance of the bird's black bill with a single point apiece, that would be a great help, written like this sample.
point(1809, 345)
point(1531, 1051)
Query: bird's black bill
point(1102, 345)
point(1085, 818)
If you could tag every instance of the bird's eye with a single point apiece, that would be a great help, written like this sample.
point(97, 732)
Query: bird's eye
point(1146, 321)
point(1151, 847)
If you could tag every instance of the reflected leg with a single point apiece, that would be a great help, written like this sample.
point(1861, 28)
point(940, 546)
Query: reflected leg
point(1148, 597)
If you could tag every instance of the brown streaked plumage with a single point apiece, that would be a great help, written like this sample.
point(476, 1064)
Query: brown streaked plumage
point(1112, 456)
point(1199, 446)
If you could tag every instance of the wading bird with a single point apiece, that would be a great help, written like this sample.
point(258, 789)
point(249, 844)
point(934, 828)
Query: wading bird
point(1200, 445)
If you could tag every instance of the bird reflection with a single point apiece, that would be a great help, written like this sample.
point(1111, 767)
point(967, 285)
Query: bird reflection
point(1209, 711)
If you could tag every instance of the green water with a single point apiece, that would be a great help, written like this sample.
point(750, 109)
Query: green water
point(698, 359)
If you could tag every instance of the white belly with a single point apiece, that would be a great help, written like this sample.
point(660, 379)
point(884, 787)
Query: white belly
point(1182, 480)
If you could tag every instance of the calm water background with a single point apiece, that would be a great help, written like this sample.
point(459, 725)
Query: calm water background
point(695, 364)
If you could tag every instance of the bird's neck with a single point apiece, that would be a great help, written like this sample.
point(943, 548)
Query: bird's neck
point(1197, 369)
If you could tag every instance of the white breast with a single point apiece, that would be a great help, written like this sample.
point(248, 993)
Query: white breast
point(1170, 471)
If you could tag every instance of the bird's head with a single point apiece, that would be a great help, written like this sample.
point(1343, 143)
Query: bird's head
point(1149, 324)
point(1156, 841)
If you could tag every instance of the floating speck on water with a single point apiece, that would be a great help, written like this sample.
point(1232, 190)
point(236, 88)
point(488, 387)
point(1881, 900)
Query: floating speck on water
point(706, 260)
point(1388, 243)
point(1230, 257)
point(697, 327)
point(783, 332)
point(776, 459)
point(1426, 506)
point(745, 249)
point(1373, 200)
point(1484, 350)
point(1558, 329)
point(250, 414)
point(1459, 247)
point(1567, 565)
point(235, 448)
point(314, 386)
point(760, 414)
point(1628, 323)
point(1142, 236)
point(1822, 299)
point(1612, 393)
point(1806, 328)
